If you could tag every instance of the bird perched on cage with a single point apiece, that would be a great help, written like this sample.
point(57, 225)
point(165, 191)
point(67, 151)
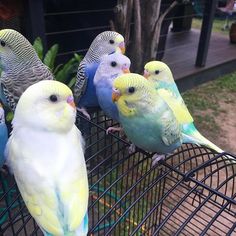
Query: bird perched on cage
point(110, 67)
point(21, 67)
point(48, 163)
point(161, 78)
point(105, 43)
point(3, 135)
point(143, 111)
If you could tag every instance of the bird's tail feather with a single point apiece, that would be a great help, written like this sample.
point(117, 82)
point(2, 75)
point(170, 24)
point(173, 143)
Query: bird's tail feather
point(82, 230)
point(196, 138)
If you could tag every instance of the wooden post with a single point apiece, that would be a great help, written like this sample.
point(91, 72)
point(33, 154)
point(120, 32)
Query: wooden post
point(34, 20)
point(208, 17)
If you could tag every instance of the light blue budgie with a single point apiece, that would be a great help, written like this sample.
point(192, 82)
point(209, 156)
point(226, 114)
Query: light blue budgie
point(21, 67)
point(45, 154)
point(111, 66)
point(160, 76)
point(3, 136)
point(146, 117)
point(143, 111)
point(84, 91)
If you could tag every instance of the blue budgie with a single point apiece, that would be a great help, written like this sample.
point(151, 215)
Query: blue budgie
point(3, 135)
point(21, 67)
point(45, 154)
point(111, 66)
point(84, 91)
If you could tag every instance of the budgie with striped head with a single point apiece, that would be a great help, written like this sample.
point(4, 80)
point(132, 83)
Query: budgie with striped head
point(105, 43)
point(45, 154)
point(21, 67)
point(161, 78)
point(3, 136)
point(111, 67)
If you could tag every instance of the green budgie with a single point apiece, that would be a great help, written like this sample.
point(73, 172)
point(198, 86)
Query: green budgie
point(161, 78)
point(21, 67)
point(143, 111)
point(45, 154)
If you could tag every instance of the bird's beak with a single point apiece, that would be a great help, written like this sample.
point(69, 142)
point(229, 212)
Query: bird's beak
point(125, 70)
point(122, 47)
point(146, 74)
point(70, 101)
point(115, 95)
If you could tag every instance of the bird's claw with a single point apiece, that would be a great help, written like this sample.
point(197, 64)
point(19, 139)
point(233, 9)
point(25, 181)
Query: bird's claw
point(84, 112)
point(131, 148)
point(113, 129)
point(156, 158)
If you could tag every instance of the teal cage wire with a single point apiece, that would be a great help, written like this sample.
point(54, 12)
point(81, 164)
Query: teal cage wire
point(192, 192)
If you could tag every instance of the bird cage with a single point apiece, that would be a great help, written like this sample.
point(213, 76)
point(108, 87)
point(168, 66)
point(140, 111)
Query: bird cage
point(192, 192)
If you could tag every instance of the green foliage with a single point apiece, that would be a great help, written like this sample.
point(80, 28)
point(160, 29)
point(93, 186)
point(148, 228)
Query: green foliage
point(205, 101)
point(65, 73)
point(218, 25)
point(50, 57)
point(38, 46)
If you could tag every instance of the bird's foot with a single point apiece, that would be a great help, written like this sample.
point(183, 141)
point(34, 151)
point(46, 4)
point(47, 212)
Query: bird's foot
point(156, 158)
point(131, 148)
point(84, 112)
point(113, 129)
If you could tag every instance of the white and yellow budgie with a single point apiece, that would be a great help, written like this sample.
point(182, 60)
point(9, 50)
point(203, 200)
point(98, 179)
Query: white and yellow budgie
point(45, 154)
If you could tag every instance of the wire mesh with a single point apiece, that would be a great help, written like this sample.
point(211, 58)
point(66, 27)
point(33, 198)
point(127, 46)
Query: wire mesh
point(192, 192)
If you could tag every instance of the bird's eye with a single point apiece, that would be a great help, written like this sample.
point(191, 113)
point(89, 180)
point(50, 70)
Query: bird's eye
point(53, 98)
point(113, 63)
point(111, 41)
point(3, 44)
point(131, 89)
point(157, 72)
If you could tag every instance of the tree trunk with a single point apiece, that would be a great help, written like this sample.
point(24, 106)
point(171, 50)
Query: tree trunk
point(143, 36)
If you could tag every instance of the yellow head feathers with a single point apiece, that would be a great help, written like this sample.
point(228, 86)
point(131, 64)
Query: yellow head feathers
point(120, 41)
point(157, 70)
point(47, 105)
point(132, 93)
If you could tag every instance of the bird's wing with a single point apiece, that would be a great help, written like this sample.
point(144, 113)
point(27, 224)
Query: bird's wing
point(170, 128)
point(81, 81)
point(177, 105)
point(13, 85)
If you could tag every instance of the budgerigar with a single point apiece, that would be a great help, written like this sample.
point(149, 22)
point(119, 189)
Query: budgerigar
point(145, 117)
point(45, 154)
point(84, 91)
point(3, 136)
point(160, 76)
point(111, 66)
point(21, 67)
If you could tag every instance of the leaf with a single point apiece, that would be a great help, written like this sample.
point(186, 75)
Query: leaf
point(65, 71)
point(58, 67)
point(49, 59)
point(38, 46)
point(9, 116)
point(78, 57)
point(72, 82)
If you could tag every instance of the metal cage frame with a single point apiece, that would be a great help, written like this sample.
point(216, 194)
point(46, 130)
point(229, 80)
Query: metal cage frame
point(192, 192)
